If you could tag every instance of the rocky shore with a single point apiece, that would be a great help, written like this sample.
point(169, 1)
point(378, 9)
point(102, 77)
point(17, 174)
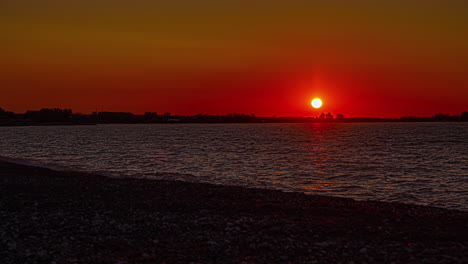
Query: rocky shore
point(68, 217)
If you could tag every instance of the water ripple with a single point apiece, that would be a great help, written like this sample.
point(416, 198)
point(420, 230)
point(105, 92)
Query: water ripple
point(423, 163)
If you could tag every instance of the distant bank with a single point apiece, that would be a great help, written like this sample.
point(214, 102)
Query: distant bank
point(58, 116)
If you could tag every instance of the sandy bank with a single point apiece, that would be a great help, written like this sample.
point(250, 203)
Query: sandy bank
point(57, 217)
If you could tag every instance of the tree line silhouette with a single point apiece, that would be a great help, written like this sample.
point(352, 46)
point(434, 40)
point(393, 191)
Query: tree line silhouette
point(58, 116)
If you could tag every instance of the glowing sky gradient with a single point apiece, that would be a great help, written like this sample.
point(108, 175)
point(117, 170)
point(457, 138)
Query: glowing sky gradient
point(363, 58)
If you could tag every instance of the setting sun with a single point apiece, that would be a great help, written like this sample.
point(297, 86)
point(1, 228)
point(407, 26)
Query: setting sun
point(317, 103)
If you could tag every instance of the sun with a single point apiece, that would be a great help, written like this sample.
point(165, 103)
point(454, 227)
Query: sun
point(316, 103)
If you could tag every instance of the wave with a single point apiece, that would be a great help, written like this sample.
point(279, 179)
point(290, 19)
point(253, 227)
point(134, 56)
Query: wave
point(165, 176)
point(415, 190)
point(36, 163)
point(40, 163)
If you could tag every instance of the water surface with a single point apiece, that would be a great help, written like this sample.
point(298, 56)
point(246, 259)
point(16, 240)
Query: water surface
point(422, 163)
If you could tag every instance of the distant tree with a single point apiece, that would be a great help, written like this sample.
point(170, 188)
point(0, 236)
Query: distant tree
point(32, 115)
point(464, 116)
point(329, 116)
point(322, 116)
point(116, 117)
point(441, 117)
point(151, 115)
point(5, 114)
point(55, 115)
point(340, 116)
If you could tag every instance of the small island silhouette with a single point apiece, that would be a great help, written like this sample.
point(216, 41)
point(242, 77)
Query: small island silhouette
point(58, 116)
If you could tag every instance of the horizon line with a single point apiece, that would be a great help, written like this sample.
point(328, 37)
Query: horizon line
point(165, 113)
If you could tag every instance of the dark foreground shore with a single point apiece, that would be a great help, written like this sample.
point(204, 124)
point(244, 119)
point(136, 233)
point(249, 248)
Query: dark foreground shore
point(57, 217)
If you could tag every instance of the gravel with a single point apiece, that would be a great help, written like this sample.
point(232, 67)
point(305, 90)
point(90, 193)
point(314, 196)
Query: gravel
point(68, 217)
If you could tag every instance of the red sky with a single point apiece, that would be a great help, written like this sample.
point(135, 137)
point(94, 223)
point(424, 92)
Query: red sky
point(386, 59)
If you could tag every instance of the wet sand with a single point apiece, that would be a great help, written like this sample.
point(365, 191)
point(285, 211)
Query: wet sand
point(68, 217)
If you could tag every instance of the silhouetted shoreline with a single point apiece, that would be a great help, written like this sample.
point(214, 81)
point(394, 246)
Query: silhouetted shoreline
point(59, 116)
point(70, 217)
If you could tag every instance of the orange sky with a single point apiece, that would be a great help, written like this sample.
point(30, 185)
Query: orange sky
point(386, 59)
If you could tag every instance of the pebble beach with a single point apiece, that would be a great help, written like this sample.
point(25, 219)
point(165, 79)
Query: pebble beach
point(69, 217)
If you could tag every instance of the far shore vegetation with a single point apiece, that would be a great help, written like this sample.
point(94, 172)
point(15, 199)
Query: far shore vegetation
point(58, 116)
